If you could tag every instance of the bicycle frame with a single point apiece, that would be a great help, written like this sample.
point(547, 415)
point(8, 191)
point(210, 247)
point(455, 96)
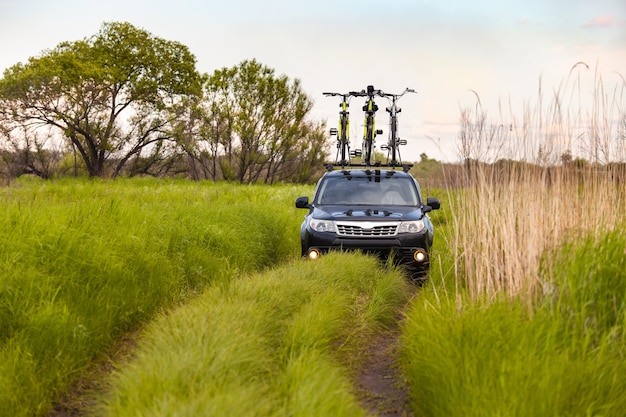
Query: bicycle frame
point(369, 130)
point(394, 142)
point(343, 131)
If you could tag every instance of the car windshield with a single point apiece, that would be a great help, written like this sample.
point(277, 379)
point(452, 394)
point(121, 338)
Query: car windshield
point(368, 190)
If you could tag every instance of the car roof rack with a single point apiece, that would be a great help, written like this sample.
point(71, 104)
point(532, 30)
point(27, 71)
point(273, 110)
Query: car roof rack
point(332, 166)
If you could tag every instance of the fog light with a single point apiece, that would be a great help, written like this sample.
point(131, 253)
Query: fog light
point(313, 254)
point(420, 255)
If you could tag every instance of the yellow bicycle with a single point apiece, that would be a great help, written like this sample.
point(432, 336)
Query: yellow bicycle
point(369, 130)
point(343, 131)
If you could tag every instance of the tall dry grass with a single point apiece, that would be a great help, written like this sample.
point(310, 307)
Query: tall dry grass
point(531, 318)
point(502, 229)
point(582, 118)
point(530, 183)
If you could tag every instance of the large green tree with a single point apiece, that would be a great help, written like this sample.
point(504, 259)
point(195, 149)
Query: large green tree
point(112, 95)
point(264, 129)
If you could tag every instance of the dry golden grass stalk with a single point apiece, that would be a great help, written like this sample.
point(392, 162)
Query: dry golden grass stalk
point(528, 186)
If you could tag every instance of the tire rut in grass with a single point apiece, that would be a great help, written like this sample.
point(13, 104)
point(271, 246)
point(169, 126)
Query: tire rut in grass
point(379, 383)
point(79, 399)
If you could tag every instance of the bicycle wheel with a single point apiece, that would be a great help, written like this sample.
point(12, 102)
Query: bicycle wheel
point(343, 140)
point(369, 139)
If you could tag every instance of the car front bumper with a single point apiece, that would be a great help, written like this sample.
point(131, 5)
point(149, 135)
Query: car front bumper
point(409, 248)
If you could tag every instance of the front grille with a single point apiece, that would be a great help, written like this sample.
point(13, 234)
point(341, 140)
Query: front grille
point(366, 229)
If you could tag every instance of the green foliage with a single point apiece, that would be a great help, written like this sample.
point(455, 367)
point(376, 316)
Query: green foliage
point(124, 95)
point(268, 136)
point(83, 262)
point(91, 90)
point(497, 358)
point(589, 285)
point(72, 167)
point(265, 345)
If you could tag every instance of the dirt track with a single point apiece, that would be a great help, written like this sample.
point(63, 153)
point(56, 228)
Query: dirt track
point(379, 383)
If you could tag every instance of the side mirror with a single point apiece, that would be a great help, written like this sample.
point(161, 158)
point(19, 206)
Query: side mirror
point(433, 203)
point(302, 202)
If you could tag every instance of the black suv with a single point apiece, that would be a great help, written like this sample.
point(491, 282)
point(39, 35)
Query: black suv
point(379, 211)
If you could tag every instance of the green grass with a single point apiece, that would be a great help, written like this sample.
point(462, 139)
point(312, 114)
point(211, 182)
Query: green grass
point(564, 357)
point(278, 343)
point(228, 332)
point(83, 262)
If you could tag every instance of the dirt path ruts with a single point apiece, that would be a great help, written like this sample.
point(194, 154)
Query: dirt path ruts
point(379, 383)
point(79, 398)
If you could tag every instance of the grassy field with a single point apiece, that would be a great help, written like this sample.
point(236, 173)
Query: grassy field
point(564, 357)
point(278, 343)
point(526, 311)
point(526, 314)
point(84, 262)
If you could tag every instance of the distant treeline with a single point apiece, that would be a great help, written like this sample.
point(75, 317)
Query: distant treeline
point(125, 102)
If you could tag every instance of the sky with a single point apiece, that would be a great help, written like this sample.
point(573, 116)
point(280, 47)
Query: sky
point(449, 51)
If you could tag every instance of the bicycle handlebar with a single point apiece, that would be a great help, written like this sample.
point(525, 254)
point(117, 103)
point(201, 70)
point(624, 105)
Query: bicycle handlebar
point(397, 96)
point(364, 93)
point(370, 93)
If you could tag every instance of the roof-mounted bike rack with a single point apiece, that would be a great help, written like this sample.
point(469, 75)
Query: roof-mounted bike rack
point(345, 155)
point(377, 164)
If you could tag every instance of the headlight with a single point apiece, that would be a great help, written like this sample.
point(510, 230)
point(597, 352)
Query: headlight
point(411, 227)
point(322, 225)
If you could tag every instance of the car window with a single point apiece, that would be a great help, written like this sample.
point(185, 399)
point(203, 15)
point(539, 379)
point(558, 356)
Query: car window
point(367, 191)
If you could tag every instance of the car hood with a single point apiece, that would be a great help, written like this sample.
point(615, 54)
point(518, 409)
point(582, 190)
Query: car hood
point(369, 213)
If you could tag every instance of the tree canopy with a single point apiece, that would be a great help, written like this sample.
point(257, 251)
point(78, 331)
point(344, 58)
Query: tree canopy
point(125, 94)
point(110, 95)
point(266, 134)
